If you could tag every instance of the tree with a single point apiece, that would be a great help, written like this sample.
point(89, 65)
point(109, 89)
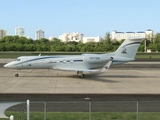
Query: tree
point(141, 48)
point(79, 46)
point(108, 38)
point(152, 46)
point(158, 47)
point(2, 47)
point(16, 43)
point(157, 38)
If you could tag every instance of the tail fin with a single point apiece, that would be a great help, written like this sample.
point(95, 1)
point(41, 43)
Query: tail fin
point(129, 48)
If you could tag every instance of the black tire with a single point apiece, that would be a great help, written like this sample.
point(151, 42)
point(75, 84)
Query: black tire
point(81, 76)
point(16, 75)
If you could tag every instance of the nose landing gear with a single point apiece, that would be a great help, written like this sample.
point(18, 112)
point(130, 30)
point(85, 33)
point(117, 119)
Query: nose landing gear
point(80, 74)
point(17, 75)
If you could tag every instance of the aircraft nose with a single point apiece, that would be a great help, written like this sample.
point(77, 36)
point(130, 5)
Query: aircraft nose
point(6, 65)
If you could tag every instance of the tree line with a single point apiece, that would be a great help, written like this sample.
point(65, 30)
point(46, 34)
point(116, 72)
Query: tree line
point(16, 43)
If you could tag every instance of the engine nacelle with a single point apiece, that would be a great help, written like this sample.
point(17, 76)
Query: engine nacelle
point(93, 58)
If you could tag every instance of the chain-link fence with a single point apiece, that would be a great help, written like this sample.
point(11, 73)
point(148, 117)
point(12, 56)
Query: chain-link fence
point(87, 110)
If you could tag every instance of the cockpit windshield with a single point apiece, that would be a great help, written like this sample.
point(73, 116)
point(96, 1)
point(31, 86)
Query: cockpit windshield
point(18, 59)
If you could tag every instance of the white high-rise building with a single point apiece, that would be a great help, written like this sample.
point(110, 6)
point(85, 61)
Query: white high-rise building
point(3, 33)
point(39, 34)
point(19, 31)
point(123, 35)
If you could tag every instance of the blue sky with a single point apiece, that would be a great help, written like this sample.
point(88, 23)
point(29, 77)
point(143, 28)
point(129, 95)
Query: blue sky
point(90, 17)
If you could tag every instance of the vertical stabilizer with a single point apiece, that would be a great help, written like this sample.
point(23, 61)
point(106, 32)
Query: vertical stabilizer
point(129, 48)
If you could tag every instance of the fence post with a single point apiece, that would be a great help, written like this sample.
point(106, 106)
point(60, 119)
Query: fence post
point(90, 110)
point(44, 110)
point(90, 107)
point(28, 115)
point(137, 110)
point(11, 117)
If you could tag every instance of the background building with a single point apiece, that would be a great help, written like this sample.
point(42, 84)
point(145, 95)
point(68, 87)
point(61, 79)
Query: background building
point(76, 36)
point(123, 35)
point(19, 31)
point(39, 34)
point(91, 39)
point(51, 38)
point(3, 33)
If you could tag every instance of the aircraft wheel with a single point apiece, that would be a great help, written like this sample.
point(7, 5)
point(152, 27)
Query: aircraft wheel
point(81, 76)
point(16, 75)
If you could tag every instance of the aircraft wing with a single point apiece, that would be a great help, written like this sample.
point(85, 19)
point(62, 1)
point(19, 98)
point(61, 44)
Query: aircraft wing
point(105, 68)
point(84, 70)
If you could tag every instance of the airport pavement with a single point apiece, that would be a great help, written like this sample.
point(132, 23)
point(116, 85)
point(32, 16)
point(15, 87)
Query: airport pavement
point(114, 81)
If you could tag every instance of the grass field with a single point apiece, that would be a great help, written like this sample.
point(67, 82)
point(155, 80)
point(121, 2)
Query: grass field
point(85, 115)
point(17, 54)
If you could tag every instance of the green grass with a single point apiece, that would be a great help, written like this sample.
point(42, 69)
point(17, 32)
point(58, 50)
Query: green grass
point(148, 56)
point(85, 115)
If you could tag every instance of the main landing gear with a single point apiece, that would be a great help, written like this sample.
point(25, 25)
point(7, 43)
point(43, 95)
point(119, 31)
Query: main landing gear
point(17, 75)
point(80, 74)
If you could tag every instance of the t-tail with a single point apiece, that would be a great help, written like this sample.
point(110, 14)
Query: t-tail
point(128, 48)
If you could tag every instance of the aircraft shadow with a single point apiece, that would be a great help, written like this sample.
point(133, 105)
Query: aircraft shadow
point(87, 76)
point(127, 76)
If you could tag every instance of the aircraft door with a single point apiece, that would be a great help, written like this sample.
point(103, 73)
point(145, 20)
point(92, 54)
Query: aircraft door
point(25, 63)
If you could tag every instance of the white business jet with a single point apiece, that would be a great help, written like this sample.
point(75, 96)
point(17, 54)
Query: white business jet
point(79, 63)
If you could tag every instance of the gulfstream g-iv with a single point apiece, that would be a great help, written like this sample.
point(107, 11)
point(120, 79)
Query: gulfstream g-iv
point(79, 63)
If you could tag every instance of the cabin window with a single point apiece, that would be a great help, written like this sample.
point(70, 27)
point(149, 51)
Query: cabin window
point(83, 58)
point(50, 61)
point(71, 61)
point(64, 61)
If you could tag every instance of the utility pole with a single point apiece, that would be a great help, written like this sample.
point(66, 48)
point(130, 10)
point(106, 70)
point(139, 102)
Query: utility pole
point(145, 48)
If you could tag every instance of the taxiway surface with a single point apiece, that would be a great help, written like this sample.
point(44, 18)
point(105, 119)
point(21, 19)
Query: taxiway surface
point(120, 80)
